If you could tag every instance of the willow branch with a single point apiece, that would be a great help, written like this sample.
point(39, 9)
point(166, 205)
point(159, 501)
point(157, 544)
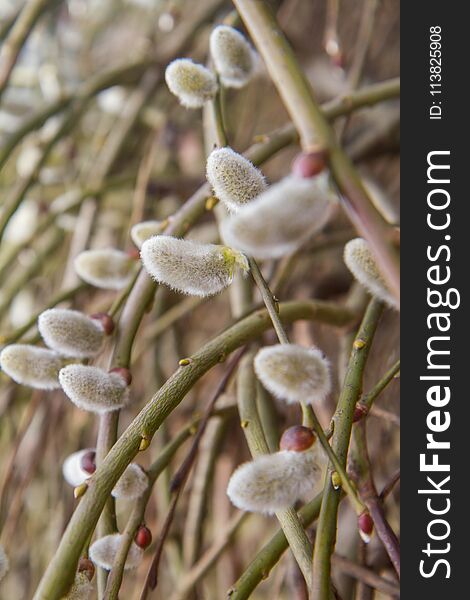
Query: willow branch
point(17, 36)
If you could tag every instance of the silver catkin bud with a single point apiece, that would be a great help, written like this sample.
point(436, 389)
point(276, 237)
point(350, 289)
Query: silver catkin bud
point(281, 219)
point(141, 232)
point(361, 262)
point(191, 267)
point(132, 483)
point(274, 482)
point(191, 83)
point(93, 389)
point(71, 333)
point(293, 373)
point(234, 58)
point(72, 469)
point(32, 366)
point(104, 550)
point(234, 179)
point(105, 268)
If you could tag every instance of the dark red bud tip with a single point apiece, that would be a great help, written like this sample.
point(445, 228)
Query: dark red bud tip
point(338, 60)
point(143, 537)
point(124, 373)
point(359, 412)
point(365, 524)
point(133, 253)
point(297, 439)
point(86, 566)
point(309, 164)
point(88, 462)
point(106, 321)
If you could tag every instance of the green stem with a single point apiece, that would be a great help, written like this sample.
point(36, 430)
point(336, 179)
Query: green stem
point(17, 36)
point(316, 132)
point(268, 300)
point(259, 567)
point(343, 418)
point(368, 399)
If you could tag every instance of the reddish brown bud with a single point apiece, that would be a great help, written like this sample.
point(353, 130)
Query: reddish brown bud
point(133, 253)
point(143, 537)
point(86, 566)
point(309, 164)
point(297, 439)
point(88, 462)
point(124, 373)
point(365, 525)
point(360, 411)
point(105, 320)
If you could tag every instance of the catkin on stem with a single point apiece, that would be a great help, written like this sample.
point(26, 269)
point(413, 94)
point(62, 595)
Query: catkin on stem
point(293, 373)
point(281, 219)
point(191, 267)
point(32, 366)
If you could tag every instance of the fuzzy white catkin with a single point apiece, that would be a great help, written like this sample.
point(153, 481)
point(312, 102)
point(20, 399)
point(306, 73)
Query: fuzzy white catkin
point(72, 470)
point(82, 588)
point(293, 373)
point(191, 267)
point(93, 389)
point(103, 551)
point(70, 332)
point(281, 219)
point(29, 365)
point(234, 58)
point(145, 230)
point(272, 482)
point(4, 563)
point(132, 483)
point(105, 268)
point(361, 262)
point(192, 83)
point(234, 179)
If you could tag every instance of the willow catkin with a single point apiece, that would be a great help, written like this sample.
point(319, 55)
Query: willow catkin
point(191, 267)
point(32, 366)
point(192, 83)
point(281, 219)
point(105, 268)
point(72, 469)
point(93, 389)
point(273, 482)
point(361, 262)
point(233, 178)
point(71, 333)
point(104, 550)
point(233, 56)
point(132, 483)
point(140, 232)
point(293, 373)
